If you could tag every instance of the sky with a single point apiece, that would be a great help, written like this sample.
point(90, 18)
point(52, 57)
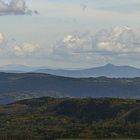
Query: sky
point(70, 34)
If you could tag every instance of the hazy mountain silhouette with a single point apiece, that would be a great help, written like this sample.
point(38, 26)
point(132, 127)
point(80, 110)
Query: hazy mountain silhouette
point(15, 68)
point(108, 70)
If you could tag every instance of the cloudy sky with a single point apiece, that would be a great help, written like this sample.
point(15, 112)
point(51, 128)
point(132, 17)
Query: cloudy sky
point(70, 34)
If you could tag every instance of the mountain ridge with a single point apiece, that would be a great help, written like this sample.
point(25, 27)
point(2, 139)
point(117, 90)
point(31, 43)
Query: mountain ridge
point(108, 70)
point(33, 85)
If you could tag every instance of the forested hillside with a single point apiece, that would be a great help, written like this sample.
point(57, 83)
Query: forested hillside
point(52, 118)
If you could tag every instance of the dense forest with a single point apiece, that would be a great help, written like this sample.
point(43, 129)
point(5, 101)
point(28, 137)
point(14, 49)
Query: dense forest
point(51, 118)
point(15, 87)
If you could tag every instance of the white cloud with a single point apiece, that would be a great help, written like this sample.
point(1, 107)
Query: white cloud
point(73, 44)
point(25, 49)
point(2, 39)
point(105, 44)
point(102, 46)
point(15, 7)
point(69, 39)
point(119, 40)
point(13, 48)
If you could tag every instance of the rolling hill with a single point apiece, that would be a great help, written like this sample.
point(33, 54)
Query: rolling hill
point(51, 118)
point(15, 86)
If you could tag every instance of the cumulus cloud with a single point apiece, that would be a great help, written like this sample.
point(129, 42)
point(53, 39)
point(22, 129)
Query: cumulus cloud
point(2, 39)
point(25, 49)
point(70, 39)
point(119, 40)
point(15, 7)
point(76, 47)
point(104, 44)
point(11, 47)
point(73, 44)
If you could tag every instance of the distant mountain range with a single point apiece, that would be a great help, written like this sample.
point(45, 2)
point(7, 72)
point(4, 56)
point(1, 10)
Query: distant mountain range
point(108, 70)
point(15, 86)
point(16, 68)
